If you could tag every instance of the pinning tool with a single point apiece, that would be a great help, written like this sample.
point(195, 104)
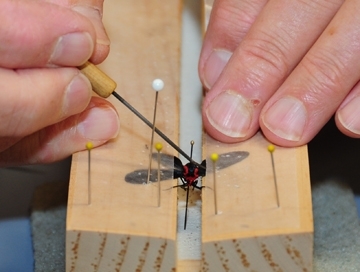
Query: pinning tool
point(104, 86)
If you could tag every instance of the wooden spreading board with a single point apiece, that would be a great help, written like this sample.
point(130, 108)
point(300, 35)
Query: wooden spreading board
point(123, 229)
point(251, 231)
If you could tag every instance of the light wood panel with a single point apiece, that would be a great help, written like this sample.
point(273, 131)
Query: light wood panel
point(251, 232)
point(123, 229)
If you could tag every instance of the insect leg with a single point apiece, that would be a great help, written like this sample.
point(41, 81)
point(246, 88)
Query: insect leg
point(186, 208)
point(183, 186)
point(194, 185)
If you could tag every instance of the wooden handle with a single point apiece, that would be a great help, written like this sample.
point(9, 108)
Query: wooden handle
point(101, 83)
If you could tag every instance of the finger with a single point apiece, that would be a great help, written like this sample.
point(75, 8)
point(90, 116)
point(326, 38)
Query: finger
point(274, 45)
point(347, 117)
point(6, 142)
point(229, 22)
point(316, 88)
point(93, 10)
point(32, 99)
point(38, 34)
point(98, 124)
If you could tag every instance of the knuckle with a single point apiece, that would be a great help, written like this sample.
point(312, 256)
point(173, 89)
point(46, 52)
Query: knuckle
point(322, 5)
point(270, 52)
point(325, 71)
point(229, 15)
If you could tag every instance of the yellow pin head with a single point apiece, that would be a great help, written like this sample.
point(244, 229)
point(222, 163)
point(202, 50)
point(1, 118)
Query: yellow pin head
point(271, 148)
point(158, 146)
point(89, 145)
point(214, 157)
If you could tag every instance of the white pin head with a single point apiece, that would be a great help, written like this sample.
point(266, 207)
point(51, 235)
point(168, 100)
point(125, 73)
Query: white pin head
point(158, 84)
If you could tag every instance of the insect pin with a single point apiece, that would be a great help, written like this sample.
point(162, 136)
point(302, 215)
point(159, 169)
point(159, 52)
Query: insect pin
point(89, 146)
point(271, 149)
point(158, 147)
point(189, 175)
point(215, 157)
point(157, 85)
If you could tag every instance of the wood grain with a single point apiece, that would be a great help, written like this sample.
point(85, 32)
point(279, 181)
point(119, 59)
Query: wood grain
point(101, 83)
point(123, 229)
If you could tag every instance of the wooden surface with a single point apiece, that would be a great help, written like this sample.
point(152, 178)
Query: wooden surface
point(123, 229)
point(250, 231)
point(101, 83)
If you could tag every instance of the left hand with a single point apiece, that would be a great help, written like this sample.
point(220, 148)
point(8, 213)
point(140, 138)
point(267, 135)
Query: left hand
point(47, 111)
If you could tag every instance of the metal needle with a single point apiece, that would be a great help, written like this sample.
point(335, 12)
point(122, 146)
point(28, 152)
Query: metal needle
point(89, 146)
point(158, 147)
point(271, 149)
point(214, 157)
point(157, 85)
point(104, 86)
point(161, 134)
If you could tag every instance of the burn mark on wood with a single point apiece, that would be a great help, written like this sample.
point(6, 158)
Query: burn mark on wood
point(160, 257)
point(142, 257)
point(97, 260)
point(222, 255)
point(295, 254)
point(241, 254)
point(204, 263)
point(268, 257)
point(124, 243)
point(75, 251)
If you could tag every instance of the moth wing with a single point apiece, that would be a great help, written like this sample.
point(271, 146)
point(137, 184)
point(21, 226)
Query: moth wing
point(166, 160)
point(140, 176)
point(178, 168)
point(226, 160)
point(171, 168)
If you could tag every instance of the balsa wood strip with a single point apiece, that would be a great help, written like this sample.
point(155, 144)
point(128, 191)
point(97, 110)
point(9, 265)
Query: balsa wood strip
point(250, 232)
point(123, 229)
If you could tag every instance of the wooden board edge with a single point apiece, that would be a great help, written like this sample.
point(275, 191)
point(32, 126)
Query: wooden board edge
point(90, 251)
point(266, 253)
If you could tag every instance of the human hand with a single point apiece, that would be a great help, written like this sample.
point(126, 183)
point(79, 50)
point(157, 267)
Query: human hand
point(286, 66)
point(46, 108)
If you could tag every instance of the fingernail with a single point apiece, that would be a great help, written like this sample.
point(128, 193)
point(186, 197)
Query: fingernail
point(215, 65)
point(77, 95)
point(286, 118)
point(349, 116)
point(230, 114)
point(94, 14)
point(72, 49)
point(99, 124)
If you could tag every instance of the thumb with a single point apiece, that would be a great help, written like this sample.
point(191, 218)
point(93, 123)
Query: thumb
point(92, 10)
point(36, 34)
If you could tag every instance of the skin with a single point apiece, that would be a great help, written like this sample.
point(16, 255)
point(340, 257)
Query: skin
point(47, 111)
point(283, 66)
